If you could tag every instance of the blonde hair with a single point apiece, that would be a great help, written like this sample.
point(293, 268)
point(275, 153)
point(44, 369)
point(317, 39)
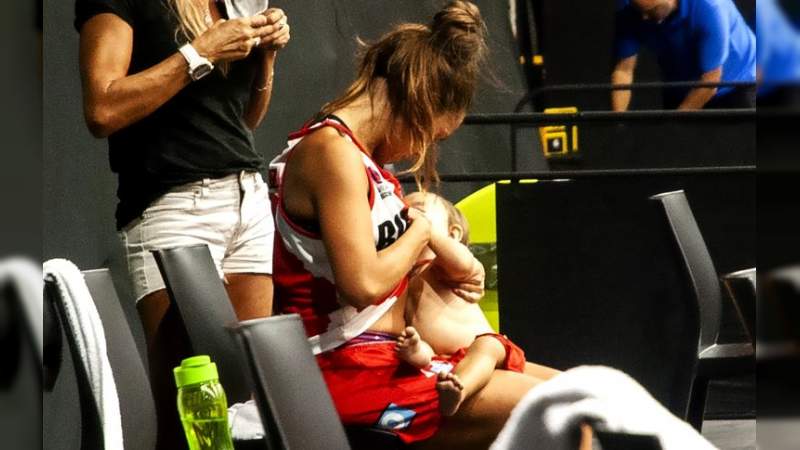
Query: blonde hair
point(455, 217)
point(192, 23)
point(429, 70)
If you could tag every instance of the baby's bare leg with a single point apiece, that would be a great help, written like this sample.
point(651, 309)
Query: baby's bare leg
point(473, 372)
point(412, 349)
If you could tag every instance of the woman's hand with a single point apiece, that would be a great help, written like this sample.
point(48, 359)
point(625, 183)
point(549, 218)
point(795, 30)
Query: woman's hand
point(277, 30)
point(417, 218)
point(232, 40)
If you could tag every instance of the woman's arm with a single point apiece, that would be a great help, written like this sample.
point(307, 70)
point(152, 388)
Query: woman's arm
point(113, 99)
point(261, 91)
point(338, 187)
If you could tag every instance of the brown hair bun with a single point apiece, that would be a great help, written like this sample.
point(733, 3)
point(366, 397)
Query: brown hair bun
point(459, 31)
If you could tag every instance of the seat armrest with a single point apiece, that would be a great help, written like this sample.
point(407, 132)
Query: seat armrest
point(727, 360)
point(727, 351)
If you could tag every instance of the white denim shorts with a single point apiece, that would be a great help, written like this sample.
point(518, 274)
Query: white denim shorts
point(231, 215)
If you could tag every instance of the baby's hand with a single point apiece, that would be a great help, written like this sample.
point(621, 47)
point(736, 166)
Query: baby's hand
point(472, 290)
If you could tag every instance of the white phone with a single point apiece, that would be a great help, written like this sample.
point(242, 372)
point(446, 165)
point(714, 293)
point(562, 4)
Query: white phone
point(245, 8)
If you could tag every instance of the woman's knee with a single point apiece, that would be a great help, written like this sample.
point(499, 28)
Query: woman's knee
point(501, 394)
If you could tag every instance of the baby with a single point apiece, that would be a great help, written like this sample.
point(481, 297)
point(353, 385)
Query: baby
point(454, 329)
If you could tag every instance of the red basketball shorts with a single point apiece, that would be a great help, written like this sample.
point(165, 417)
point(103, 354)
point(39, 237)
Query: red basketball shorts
point(371, 387)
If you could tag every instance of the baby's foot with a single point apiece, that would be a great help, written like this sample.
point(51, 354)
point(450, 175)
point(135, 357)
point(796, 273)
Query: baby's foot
point(451, 393)
point(411, 349)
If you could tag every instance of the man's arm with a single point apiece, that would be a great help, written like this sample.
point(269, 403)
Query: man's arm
point(713, 48)
point(622, 74)
point(698, 97)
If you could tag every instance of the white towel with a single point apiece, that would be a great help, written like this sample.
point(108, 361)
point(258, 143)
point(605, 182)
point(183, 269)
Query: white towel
point(26, 277)
point(550, 415)
point(86, 328)
point(245, 422)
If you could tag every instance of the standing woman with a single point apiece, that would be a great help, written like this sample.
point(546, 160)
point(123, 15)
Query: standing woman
point(178, 88)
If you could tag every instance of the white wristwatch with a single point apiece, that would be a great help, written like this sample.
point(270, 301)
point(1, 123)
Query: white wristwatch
point(199, 66)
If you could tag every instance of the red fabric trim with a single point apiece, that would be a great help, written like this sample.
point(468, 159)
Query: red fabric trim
point(371, 195)
point(515, 356)
point(397, 291)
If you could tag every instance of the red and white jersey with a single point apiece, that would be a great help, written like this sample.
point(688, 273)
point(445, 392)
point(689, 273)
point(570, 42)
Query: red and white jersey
point(302, 273)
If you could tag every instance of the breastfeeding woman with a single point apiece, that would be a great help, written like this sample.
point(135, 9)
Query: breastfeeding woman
point(346, 242)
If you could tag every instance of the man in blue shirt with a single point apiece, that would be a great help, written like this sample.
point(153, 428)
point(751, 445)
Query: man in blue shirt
point(694, 40)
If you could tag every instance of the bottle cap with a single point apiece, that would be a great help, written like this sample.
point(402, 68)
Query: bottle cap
point(197, 369)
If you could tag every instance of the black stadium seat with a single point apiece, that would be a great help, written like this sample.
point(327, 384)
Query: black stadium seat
point(291, 393)
point(714, 360)
point(195, 288)
point(133, 388)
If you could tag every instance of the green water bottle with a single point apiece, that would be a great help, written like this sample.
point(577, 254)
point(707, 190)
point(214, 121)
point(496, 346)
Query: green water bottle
point(202, 405)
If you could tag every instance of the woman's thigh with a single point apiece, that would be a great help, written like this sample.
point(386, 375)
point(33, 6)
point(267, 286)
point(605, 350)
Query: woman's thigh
point(250, 294)
point(167, 343)
point(481, 417)
point(540, 372)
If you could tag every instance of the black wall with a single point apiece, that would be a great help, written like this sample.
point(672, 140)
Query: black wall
point(588, 272)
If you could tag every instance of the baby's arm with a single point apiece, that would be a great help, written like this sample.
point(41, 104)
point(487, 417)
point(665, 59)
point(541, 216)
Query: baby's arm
point(455, 264)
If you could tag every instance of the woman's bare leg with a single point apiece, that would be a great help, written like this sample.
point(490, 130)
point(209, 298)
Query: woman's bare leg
point(481, 416)
point(167, 343)
point(540, 372)
point(483, 356)
point(250, 294)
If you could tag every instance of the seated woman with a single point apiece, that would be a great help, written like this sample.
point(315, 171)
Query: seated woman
point(443, 323)
point(346, 242)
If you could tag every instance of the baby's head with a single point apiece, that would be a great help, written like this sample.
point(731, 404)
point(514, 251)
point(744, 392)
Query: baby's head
point(444, 216)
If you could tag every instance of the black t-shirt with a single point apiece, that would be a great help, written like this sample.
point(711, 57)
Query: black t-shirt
point(197, 134)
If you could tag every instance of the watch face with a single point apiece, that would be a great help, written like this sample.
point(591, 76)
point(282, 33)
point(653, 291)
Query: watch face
point(201, 71)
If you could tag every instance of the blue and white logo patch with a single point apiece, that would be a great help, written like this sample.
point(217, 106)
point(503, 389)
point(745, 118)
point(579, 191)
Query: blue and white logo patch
point(437, 367)
point(395, 418)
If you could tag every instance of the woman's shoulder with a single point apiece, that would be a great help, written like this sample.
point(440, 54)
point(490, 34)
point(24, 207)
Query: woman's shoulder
point(328, 148)
point(326, 153)
point(128, 10)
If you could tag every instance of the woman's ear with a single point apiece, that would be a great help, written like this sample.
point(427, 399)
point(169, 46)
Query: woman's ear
point(456, 232)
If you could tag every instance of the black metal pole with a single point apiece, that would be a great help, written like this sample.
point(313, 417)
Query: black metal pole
point(610, 116)
point(582, 174)
point(533, 94)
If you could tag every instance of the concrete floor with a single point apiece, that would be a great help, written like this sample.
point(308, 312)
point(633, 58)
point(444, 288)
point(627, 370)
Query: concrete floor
point(731, 434)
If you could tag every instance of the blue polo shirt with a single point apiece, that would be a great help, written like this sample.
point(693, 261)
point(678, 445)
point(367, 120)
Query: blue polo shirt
point(700, 36)
point(778, 46)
